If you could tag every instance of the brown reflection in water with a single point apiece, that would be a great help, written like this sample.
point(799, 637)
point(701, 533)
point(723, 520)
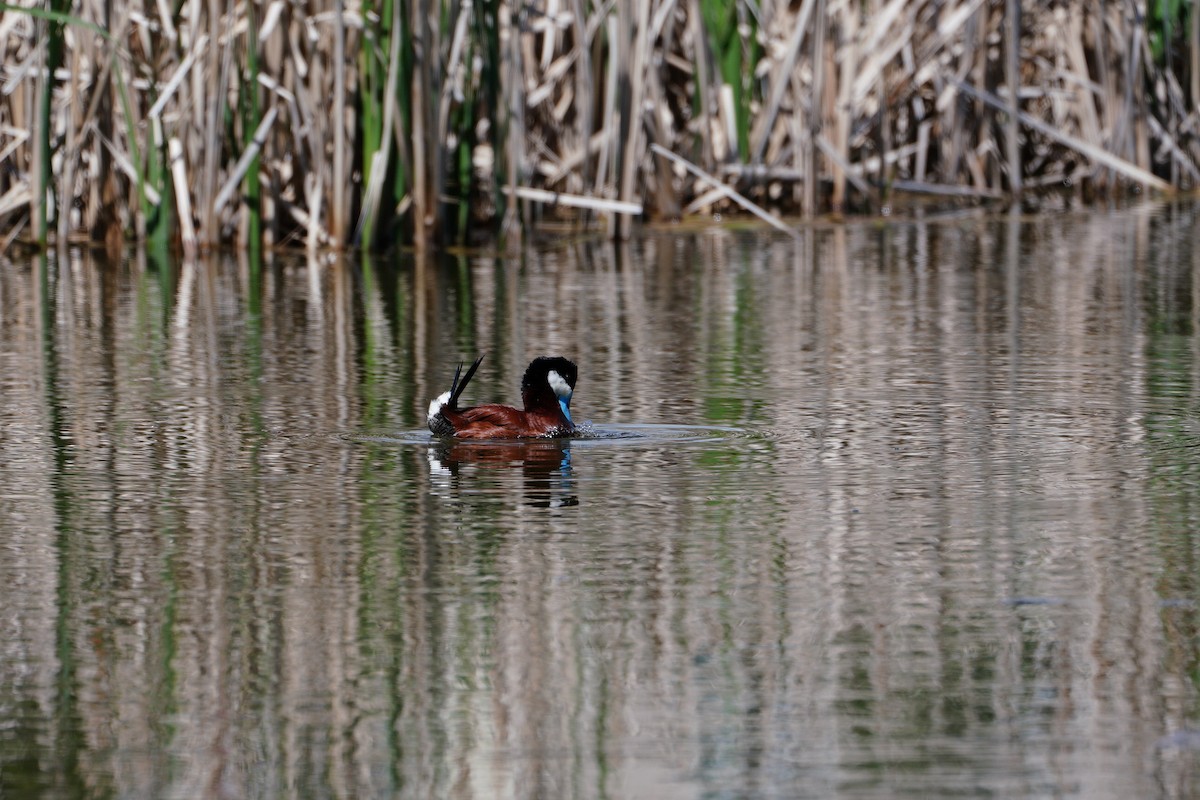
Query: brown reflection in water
point(934, 563)
point(544, 467)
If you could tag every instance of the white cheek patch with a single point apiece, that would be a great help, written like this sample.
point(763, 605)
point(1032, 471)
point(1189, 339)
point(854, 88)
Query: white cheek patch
point(560, 387)
point(435, 407)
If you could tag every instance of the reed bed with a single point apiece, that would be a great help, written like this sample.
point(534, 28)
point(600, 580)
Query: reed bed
point(367, 123)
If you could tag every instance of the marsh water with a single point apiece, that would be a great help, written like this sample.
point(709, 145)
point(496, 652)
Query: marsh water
point(905, 509)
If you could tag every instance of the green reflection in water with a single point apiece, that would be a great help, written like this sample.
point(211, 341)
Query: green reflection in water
point(736, 383)
point(1175, 489)
point(307, 610)
point(66, 731)
point(388, 560)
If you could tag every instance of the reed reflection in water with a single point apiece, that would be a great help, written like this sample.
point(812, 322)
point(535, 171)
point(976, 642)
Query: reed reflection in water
point(889, 510)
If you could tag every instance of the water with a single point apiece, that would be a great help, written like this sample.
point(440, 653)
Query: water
point(903, 510)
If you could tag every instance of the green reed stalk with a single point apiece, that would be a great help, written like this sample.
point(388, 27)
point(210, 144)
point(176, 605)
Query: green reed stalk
point(462, 164)
point(1166, 18)
point(398, 102)
point(385, 78)
point(372, 80)
point(400, 76)
point(158, 218)
point(130, 133)
point(754, 54)
point(721, 18)
point(385, 68)
point(55, 46)
point(252, 116)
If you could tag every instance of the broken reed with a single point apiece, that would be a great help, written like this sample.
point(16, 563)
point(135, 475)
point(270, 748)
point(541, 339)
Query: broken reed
point(387, 121)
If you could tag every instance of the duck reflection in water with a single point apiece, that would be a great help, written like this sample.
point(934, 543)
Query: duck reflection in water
point(538, 468)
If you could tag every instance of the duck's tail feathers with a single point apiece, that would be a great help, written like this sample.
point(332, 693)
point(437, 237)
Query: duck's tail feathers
point(449, 401)
point(456, 388)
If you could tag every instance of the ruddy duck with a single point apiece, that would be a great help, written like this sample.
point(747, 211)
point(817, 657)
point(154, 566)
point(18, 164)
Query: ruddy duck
point(546, 391)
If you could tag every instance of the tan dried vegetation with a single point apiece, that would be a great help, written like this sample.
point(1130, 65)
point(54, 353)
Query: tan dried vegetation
point(333, 123)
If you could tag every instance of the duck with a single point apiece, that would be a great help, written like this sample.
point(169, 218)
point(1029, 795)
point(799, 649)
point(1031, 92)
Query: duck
point(546, 390)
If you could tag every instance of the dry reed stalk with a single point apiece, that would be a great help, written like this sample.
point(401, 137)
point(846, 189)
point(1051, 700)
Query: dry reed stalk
point(815, 112)
point(631, 112)
point(584, 91)
point(507, 151)
point(205, 149)
point(337, 224)
point(243, 164)
point(40, 171)
point(576, 201)
point(703, 112)
point(66, 166)
point(839, 153)
point(610, 113)
point(1169, 147)
point(1012, 76)
point(779, 81)
point(920, 187)
point(738, 198)
point(1194, 58)
point(844, 172)
point(1132, 171)
point(182, 197)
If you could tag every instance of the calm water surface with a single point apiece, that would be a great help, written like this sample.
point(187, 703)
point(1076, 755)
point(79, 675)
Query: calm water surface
point(904, 510)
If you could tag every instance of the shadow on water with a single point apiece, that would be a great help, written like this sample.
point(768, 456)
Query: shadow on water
point(885, 510)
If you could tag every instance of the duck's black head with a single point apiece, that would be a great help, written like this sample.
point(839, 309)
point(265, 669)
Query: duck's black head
point(549, 381)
